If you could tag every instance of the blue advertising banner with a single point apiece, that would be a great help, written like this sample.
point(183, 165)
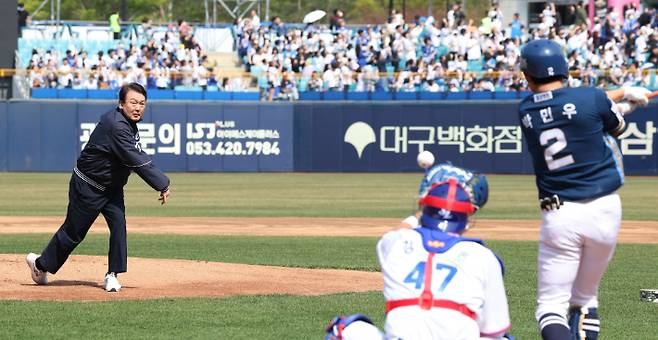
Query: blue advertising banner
point(48, 136)
point(211, 136)
point(639, 143)
point(304, 136)
point(387, 136)
point(4, 146)
point(59, 136)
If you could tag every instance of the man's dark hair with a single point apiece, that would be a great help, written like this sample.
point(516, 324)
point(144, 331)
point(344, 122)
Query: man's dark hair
point(131, 87)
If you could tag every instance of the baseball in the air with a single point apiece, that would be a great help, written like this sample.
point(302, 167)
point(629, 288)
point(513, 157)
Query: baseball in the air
point(425, 159)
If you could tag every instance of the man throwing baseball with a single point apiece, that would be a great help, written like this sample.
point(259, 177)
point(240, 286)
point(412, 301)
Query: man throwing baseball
point(96, 187)
point(578, 166)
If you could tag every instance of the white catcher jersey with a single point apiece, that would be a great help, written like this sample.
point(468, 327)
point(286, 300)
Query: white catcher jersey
point(467, 273)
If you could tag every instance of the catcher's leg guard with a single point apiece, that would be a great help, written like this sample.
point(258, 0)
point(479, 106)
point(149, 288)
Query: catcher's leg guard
point(356, 326)
point(584, 323)
point(553, 327)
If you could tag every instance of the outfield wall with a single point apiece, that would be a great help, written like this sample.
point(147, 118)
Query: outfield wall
point(308, 136)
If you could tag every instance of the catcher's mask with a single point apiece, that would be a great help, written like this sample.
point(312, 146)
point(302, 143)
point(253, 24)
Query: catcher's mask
point(446, 207)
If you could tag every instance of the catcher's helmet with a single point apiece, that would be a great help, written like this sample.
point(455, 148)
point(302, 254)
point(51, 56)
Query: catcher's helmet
point(474, 183)
point(446, 207)
point(543, 58)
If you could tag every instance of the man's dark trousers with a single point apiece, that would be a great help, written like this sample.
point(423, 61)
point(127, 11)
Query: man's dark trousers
point(86, 202)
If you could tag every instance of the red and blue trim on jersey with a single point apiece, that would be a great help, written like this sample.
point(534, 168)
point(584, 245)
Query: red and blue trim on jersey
point(436, 241)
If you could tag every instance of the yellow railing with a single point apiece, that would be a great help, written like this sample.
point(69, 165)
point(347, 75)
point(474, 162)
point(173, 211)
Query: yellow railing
point(219, 74)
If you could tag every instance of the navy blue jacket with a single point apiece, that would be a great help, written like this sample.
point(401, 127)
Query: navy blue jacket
point(113, 151)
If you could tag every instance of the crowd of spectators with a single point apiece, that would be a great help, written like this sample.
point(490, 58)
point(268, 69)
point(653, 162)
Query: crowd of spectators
point(172, 59)
point(453, 53)
point(450, 54)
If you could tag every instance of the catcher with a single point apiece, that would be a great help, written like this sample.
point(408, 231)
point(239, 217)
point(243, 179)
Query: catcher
point(439, 284)
point(474, 183)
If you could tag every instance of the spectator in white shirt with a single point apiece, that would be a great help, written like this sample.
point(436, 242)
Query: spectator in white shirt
point(255, 19)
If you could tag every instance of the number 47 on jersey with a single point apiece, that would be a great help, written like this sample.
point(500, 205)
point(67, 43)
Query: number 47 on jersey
point(442, 271)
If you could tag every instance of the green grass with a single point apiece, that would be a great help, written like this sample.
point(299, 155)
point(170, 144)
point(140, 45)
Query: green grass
point(297, 317)
point(275, 317)
point(296, 194)
point(303, 252)
point(244, 317)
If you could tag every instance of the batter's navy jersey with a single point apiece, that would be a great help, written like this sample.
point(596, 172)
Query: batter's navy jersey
point(567, 132)
point(113, 151)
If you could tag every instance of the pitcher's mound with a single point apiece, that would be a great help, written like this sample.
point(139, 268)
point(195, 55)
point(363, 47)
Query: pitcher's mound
point(81, 278)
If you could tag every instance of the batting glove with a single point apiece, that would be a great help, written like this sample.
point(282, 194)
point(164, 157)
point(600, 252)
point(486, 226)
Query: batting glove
point(636, 95)
point(625, 108)
point(550, 203)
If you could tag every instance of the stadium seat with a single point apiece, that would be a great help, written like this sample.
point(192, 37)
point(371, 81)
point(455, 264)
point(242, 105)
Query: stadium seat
point(441, 50)
point(161, 94)
point(456, 96)
point(256, 71)
point(505, 95)
point(431, 95)
point(406, 96)
point(102, 94)
point(245, 96)
point(481, 95)
point(334, 95)
point(390, 70)
point(652, 79)
point(42, 93)
point(303, 84)
point(474, 65)
point(187, 88)
point(523, 94)
point(310, 95)
point(216, 95)
point(262, 82)
point(358, 96)
point(72, 93)
point(188, 95)
point(381, 95)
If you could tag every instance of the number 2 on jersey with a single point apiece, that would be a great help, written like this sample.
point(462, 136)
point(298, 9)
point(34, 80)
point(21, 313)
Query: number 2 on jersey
point(549, 153)
point(417, 275)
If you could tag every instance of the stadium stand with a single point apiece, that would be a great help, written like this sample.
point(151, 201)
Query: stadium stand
point(424, 59)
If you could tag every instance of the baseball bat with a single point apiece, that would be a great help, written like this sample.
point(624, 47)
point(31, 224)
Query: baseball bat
point(652, 94)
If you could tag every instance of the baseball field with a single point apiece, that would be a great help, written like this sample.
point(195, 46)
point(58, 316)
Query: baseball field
point(277, 255)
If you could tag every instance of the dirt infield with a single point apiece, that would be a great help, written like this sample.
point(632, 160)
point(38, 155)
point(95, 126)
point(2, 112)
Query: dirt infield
point(81, 278)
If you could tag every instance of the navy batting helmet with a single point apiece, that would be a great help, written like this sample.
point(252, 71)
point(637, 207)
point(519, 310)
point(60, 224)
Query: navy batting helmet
point(446, 207)
point(543, 58)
